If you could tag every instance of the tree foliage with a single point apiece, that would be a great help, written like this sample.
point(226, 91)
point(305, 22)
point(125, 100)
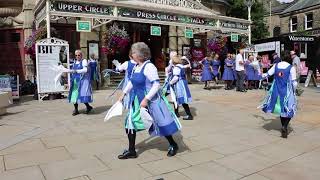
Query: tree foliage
point(259, 28)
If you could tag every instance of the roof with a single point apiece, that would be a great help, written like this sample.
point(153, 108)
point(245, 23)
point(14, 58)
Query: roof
point(280, 8)
point(301, 4)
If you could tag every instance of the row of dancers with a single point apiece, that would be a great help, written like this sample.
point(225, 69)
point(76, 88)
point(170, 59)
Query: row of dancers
point(143, 91)
point(211, 70)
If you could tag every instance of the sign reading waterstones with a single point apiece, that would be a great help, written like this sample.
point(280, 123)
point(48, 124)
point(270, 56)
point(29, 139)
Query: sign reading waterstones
point(160, 16)
point(81, 8)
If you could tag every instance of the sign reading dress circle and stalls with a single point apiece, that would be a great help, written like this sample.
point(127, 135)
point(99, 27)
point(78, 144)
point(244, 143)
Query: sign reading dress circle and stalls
point(49, 54)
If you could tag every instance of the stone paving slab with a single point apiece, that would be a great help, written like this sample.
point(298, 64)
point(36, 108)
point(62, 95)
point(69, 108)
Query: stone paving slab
point(14, 161)
point(210, 171)
point(132, 173)
point(25, 146)
point(32, 173)
point(198, 157)
point(56, 141)
point(72, 168)
point(255, 177)
point(1, 164)
point(170, 176)
point(164, 165)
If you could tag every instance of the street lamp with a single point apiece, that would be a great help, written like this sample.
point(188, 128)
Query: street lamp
point(249, 4)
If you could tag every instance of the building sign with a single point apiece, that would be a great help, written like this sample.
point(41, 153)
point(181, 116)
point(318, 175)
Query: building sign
point(179, 3)
point(155, 30)
point(188, 33)
point(83, 26)
point(301, 38)
point(270, 46)
point(81, 8)
point(233, 25)
point(234, 38)
point(161, 16)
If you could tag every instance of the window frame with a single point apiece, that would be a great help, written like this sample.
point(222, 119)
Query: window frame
point(296, 24)
point(306, 21)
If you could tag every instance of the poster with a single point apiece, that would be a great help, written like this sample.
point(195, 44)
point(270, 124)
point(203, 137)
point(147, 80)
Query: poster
point(5, 84)
point(198, 54)
point(93, 49)
point(304, 68)
point(265, 61)
point(14, 83)
point(49, 54)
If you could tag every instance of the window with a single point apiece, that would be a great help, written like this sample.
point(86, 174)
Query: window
point(15, 37)
point(293, 24)
point(308, 21)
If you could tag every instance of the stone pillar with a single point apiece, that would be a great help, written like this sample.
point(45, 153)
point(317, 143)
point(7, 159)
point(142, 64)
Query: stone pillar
point(177, 39)
point(103, 56)
point(29, 69)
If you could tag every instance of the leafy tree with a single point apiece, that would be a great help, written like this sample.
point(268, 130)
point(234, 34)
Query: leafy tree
point(238, 9)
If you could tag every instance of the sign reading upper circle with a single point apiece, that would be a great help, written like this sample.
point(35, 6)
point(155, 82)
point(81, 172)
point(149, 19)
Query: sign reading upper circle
point(81, 8)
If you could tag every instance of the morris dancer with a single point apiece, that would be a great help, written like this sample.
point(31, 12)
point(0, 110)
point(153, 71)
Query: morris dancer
point(80, 89)
point(180, 86)
point(281, 99)
point(228, 75)
point(144, 87)
point(127, 67)
point(250, 72)
point(94, 70)
point(215, 63)
point(168, 71)
point(206, 75)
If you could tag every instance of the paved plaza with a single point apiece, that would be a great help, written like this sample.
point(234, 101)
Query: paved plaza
point(228, 139)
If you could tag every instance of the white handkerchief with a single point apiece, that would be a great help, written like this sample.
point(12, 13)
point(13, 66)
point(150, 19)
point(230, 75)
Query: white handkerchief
point(173, 97)
point(146, 118)
point(115, 110)
point(116, 63)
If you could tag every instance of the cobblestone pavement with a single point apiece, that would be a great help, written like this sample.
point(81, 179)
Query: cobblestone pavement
point(229, 139)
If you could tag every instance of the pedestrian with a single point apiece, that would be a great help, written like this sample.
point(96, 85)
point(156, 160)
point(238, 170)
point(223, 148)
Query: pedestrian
point(228, 75)
point(180, 86)
point(94, 70)
point(276, 58)
point(250, 72)
point(143, 87)
point(297, 64)
point(258, 72)
point(240, 71)
point(206, 75)
point(215, 63)
point(126, 67)
point(80, 89)
point(281, 99)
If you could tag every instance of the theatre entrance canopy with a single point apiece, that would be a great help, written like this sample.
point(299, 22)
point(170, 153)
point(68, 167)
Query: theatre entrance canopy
point(185, 13)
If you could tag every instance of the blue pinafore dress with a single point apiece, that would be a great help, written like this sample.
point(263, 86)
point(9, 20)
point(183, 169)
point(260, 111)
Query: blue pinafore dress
point(228, 71)
point(127, 76)
point(165, 122)
point(183, 95)
point(206, 71)
point(281, 99)
point(80, 89)
point(215, 68)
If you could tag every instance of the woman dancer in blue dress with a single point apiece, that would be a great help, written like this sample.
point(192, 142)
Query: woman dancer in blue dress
point(257, 72)
point(144, 92)
point(250, 72)
point(127, 67)
point(80, 89)
point(206, 75)
point(281, 99)
point(228, 75)
point(180, 86)
point(168, 71)
point(94, 70)
point(215, 63)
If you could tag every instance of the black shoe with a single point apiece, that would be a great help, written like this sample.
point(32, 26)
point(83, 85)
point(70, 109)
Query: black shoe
point(189, 117)
point(75, 112)
point(177, 114)
point(284, 133)
point(172, 151)
point(128, 155)
point(89, 109)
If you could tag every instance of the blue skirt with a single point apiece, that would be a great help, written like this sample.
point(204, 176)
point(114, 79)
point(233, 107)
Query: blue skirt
point(206, 75)
point(182, 91)
point(228, 74)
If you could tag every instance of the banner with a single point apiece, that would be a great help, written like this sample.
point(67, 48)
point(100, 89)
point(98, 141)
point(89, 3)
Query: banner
point(5, 84)
point(49, 54)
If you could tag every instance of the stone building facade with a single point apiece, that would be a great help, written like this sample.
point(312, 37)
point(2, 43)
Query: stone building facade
point(292, 18)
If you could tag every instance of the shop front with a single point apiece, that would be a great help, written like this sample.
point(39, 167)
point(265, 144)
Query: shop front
point(179, 25)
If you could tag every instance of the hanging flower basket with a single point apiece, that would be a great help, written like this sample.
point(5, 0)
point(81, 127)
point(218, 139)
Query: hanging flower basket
point(115, 40)
point(217, 44)
point(30, 43)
